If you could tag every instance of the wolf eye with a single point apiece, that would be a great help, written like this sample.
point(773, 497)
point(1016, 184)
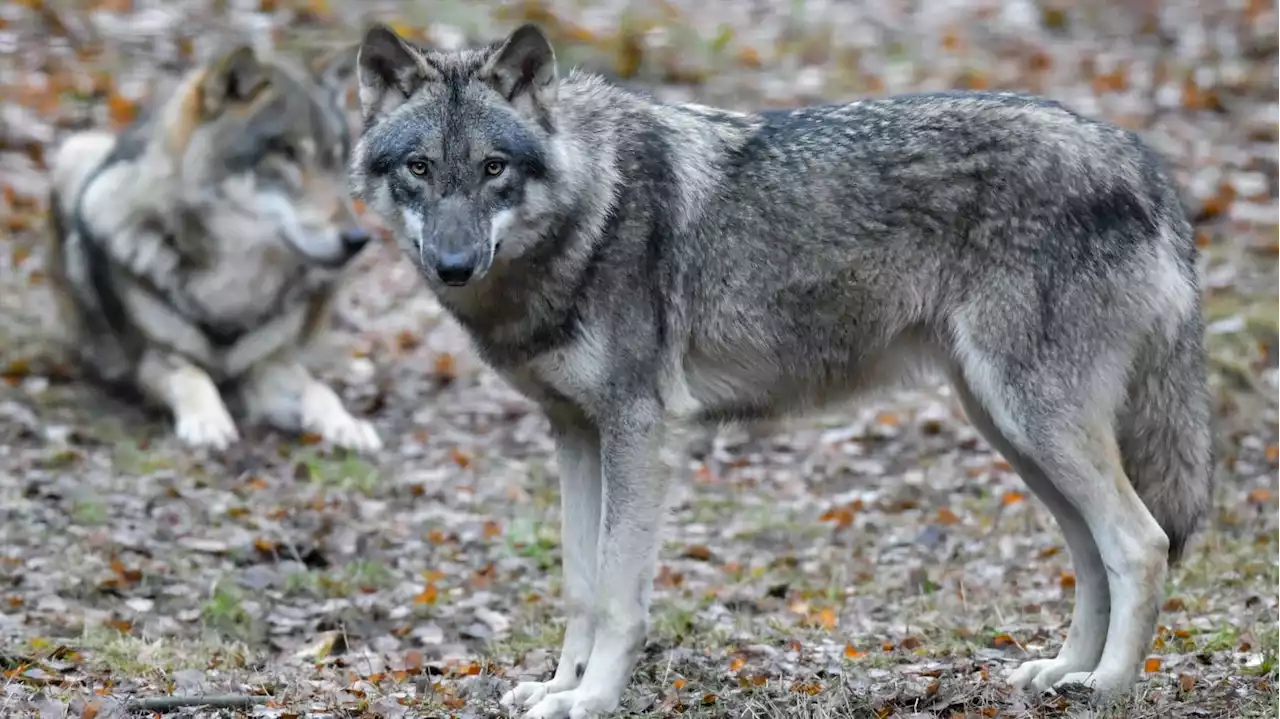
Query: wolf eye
point(418, 167)
point(493, 168)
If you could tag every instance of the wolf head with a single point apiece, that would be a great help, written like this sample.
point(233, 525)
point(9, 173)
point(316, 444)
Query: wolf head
point(262, 146)
point(459, 150)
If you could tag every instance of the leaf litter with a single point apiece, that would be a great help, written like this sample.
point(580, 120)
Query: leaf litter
point(880, 560)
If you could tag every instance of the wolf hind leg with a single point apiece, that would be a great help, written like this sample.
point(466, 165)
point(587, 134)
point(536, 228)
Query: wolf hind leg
point(287, 396)
point(1088, 632)
point(1057, 422)
point(200, 417)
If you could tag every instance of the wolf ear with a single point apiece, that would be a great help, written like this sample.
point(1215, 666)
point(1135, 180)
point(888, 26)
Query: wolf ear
point(523, 69)
point(389, 69)
point(236, 77)
point(335, 68)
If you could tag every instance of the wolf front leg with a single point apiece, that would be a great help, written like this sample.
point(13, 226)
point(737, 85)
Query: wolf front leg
point(634, 496)
point(200, 417)
point(578, 454)
point(286, 395)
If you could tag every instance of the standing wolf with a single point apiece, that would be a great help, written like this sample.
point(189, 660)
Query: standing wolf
point(627, 263)
point(202, 247)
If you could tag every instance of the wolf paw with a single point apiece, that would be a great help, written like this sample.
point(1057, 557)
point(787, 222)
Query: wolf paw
point(1100, 683)
point(526, 694)
point(1039, 675)
point(324, 414)
point(351, 433)
point(572, 704)
point(209, 427)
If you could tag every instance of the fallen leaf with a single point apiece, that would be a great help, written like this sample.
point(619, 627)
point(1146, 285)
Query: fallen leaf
point(851, 652)
point(698, 551)
point(1152, 665)
point(428, 595)
point(1186, 683)
point(737, 663)
point(1066, 580)
point(1013, 496)
point(946, 516)
point(331, 642)
point(678, 684)
point(1261, 495)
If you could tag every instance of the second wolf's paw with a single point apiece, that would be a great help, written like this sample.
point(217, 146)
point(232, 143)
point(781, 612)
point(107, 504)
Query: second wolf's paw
point(350, 433)
point(209, 426)
point(1039, 675)
point(324, 414)
point(573, 704)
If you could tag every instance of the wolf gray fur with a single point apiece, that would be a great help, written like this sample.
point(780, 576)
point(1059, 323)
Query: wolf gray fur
point(628, 264)
point(201, 248)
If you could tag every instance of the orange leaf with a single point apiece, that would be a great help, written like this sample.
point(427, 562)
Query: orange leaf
point(1261, 495)
point(851, 652)
point(460, 457)
point(697, 551)
point(678, 684)
point(737, 663)
point(121, 110)
point(842, 516)
point(91, 710)
point(406, 340)
point(428, 595)
point(446, 367)
point(810, 688)
point(492, 529)
point(412, 660)
point(1272, 453)
point(946, 516)
point(828, 619)
point(748, 57)
point(1066, 580)
point(1000, 641)
point(1013, 496)
point(1152, 665)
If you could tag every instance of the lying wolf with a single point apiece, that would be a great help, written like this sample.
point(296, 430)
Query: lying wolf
point(627, 263)
point(202, 247)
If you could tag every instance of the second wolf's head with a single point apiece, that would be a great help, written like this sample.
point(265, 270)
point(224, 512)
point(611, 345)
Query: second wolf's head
point(260, 146)
point(459, 152)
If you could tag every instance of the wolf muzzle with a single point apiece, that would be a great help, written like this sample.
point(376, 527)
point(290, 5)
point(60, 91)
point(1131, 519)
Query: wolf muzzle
point(457, 268)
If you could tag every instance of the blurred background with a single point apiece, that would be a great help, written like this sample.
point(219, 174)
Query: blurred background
point(879, 560)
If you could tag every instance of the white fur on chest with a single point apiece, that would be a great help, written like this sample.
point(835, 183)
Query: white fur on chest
point(576, 371)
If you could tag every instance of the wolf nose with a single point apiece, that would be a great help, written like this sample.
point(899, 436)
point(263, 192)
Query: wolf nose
point(355, 238)
point(456, 268)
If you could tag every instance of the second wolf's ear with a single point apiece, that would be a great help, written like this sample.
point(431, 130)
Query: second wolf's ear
point(523, 69)
point(334, 69)
point(236, 77)
point(389, 69)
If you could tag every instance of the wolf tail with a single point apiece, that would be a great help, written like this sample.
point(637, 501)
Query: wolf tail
point(1164, 432)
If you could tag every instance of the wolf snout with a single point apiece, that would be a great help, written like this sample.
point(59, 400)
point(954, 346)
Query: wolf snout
point(354, 239)
point(457, 268)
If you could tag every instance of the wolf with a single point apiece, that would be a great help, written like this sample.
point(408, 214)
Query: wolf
point(633, 266)
point(199, 251)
